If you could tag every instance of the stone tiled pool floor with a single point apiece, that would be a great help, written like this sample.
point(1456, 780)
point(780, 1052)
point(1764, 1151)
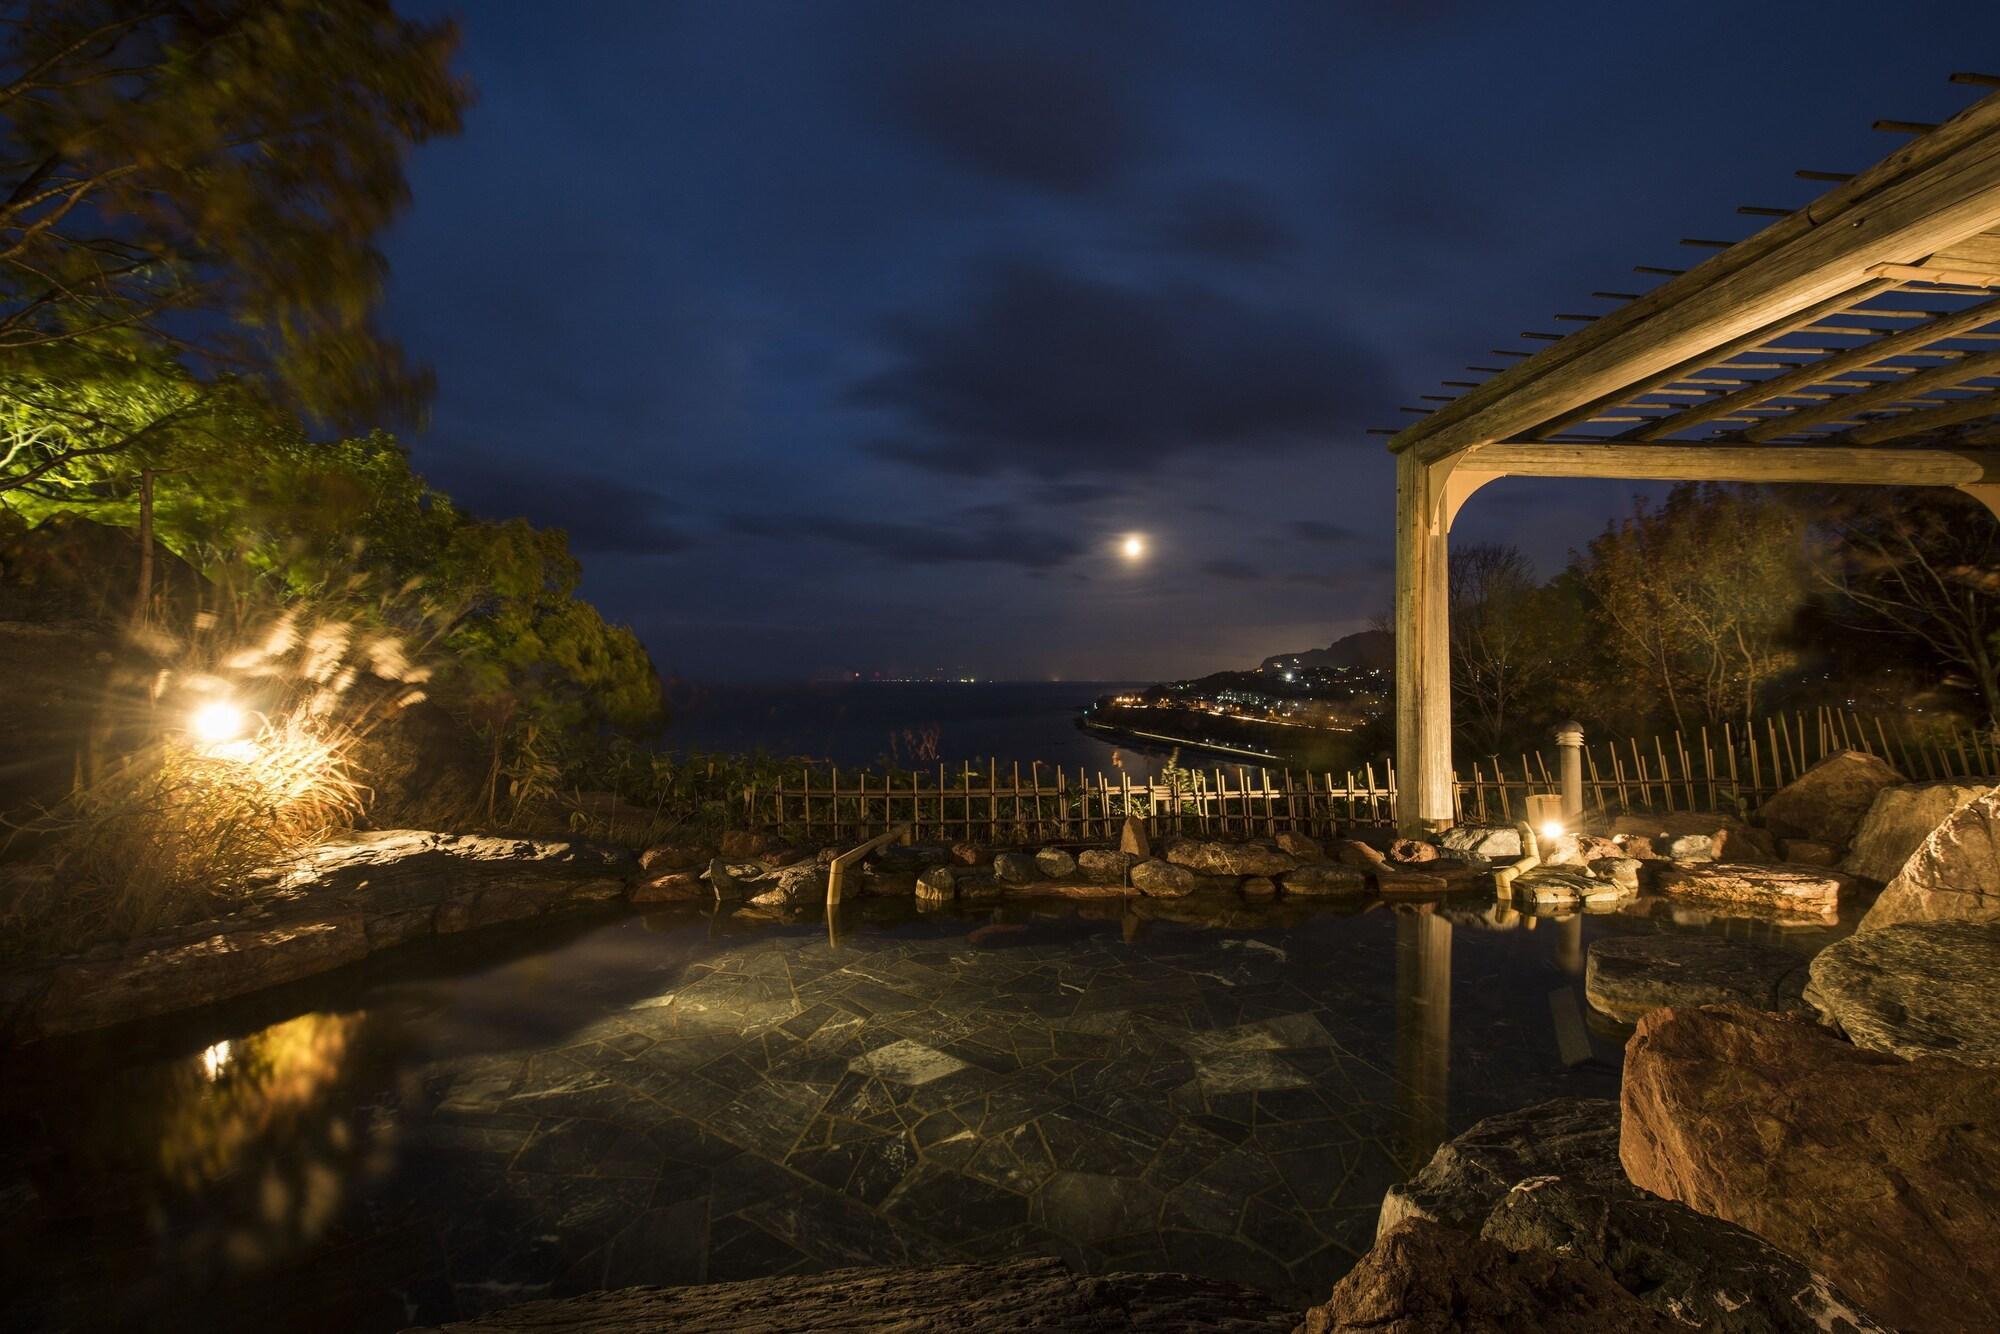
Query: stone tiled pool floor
point(658, 1104)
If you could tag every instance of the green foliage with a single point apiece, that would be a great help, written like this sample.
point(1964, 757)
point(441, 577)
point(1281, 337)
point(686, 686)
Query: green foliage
point(206, 178)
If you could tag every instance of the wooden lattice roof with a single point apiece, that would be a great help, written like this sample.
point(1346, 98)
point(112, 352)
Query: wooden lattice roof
point(1869, 317)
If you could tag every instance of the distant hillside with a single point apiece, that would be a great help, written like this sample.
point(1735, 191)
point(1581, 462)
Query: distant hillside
point(1368, 648)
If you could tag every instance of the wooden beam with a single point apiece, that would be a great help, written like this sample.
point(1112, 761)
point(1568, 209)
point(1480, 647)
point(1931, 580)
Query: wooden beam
point(1922, 423)
point(1709, 356)
point(1932, 192)
point(1780, 386)
point(1832, 464)
point(1843, 407)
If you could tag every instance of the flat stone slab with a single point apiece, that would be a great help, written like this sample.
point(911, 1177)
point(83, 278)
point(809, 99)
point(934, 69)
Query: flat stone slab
point(906, 1062)
point(936, 1299)
point(1558, 886)
point(1628, 975)
point(1786, 890)
point(1914, 989)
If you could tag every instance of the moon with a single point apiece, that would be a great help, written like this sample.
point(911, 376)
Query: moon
point(1133, 547)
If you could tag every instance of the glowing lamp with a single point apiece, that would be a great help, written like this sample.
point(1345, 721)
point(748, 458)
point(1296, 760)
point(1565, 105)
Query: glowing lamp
point(1545, 814)
point(217, 721)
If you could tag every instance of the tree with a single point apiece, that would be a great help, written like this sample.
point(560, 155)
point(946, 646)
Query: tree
point(1700, 595)
point(1500, 656)
point(201, 179)
point(1922, 564)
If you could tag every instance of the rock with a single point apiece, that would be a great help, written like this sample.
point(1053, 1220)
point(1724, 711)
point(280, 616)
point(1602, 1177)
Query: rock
point(1899, 820)
point(1412, 850)
point(1325, 880)
point(1805, 852)
point(971, 854)
point(1002, 1297)
point(1690, 848)
point(1159, 879)
point(670, 887)
point(1557, 886)
point(1797, 890)
point(1914, 989)
point(733, 880)
point(1055, 864)
point(1636, 845)
point(1576, 849)
point(1229, 858)
point(1469, 1175)
point(1259, 887)
point(777, 858)
point(795, 886)
point(1132, 838)
point(885, 881)
point(1493, 843)
point(1953, 876)
point(1353, 852)
point(1827, 801)
point(194, 968)
point(915, 857)
point(1620, 871)
point(1016, 868)
point(1103, 866)
point(1424, 1279)
point(937, 885)
point(675, 857)
point(742, 845)
point(1392, 883)
point(1304, 847)
point(1626, 976)
point(1693, 1269)
point(1883, 1171)
point(1744, 843)
point(1547, 1177)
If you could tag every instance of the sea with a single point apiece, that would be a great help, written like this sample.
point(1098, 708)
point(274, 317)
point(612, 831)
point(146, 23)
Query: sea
point(913, 724)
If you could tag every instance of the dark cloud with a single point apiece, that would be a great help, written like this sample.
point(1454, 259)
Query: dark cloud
point(1075, 493)
point(1234, 570)
point(1232, 223)
point(1046, 371)
point(602, 515)
point(987, 536)
point(1028, 117)
point(1314, 530)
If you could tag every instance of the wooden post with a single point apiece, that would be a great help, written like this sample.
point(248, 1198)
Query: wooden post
point(1423, 644)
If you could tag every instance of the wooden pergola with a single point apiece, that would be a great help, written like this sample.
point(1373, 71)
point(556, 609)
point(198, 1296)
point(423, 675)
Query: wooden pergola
point(1853, 340)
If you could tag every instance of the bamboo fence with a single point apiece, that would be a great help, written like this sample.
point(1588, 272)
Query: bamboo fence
point(1732, 768)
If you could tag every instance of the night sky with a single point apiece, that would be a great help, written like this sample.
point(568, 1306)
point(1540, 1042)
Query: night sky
point(853, 337)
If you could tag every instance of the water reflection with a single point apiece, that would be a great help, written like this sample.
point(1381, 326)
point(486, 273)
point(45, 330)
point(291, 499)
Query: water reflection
point(1423, 1030)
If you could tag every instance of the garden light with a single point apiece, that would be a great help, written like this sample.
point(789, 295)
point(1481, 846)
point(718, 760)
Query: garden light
point(217, 721)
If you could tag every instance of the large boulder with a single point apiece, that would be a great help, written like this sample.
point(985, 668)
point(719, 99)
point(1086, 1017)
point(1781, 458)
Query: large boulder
point(1164, 880)
point(1548, 1178)
point(1303, 846)
point(1210, 858)
point(1882, 1172)
point(1827, 801)
point(1794, 891)
point(1914, 989)
point(1899, 820)
point(1055, 864)
point(1626, 976)
point(1104, 866)
point(1000, 1297)
point(796, 886)
point(1493, 843)
point(1424, 1279)
point(1954, 875)
point(1016, 868)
